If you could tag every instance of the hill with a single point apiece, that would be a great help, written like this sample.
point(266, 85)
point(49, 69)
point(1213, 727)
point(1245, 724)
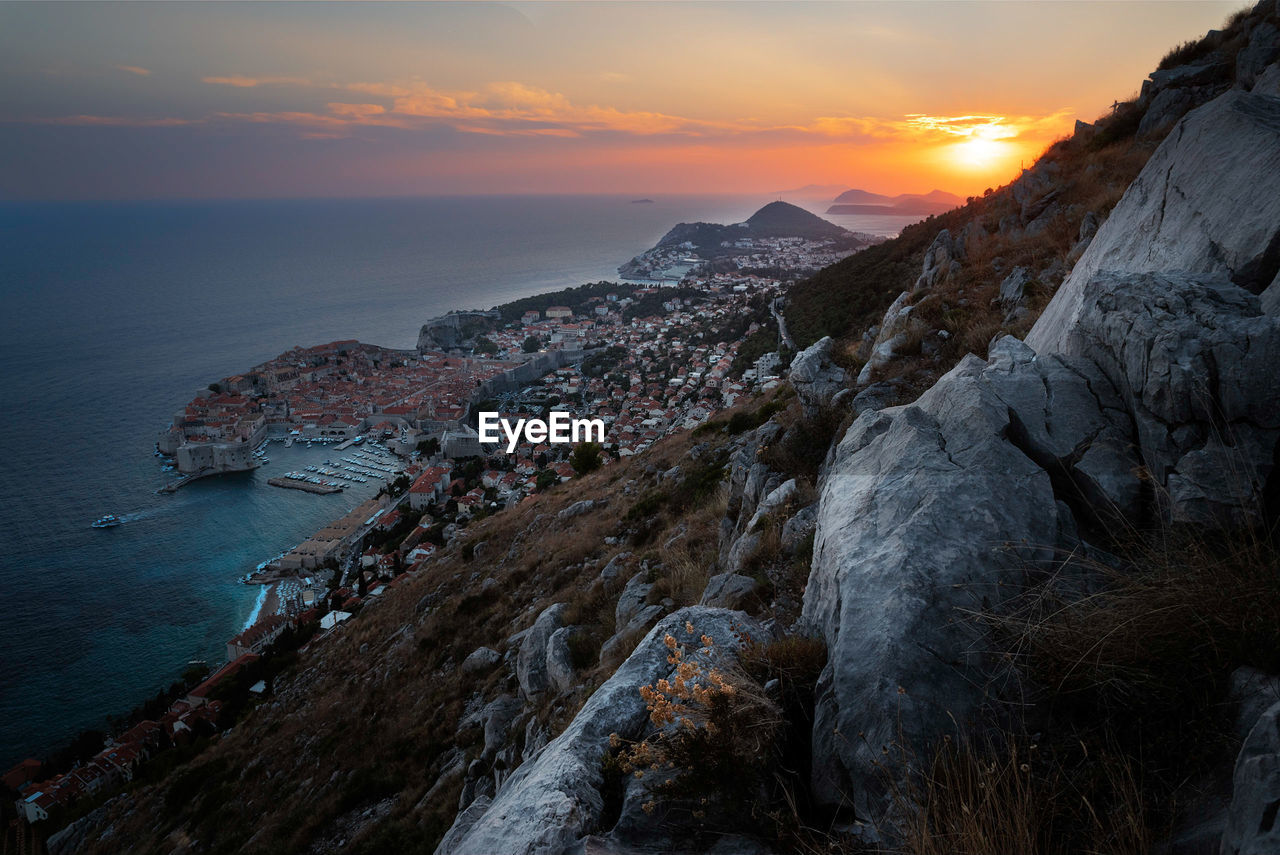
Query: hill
point(1037, 610)
point(774, 220)
point(865, 202)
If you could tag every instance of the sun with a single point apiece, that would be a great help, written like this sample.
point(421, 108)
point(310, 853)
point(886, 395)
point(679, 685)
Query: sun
point(978, 152)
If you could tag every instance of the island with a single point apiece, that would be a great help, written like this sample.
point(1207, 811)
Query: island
point(778, 237)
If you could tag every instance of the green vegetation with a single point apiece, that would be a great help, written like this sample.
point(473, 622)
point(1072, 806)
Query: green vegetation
point(579, 299)
point(585, 457)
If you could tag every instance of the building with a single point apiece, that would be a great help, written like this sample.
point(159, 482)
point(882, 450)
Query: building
point(429, 487)
point(257, 637)
point(461, 442)
point(35, 807)
point(554, 312)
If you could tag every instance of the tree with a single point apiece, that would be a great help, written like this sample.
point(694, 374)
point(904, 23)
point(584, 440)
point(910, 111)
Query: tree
point(532, 344)
point(547, 479)
point(585, 457)
point(484, 344)
point(429, 446)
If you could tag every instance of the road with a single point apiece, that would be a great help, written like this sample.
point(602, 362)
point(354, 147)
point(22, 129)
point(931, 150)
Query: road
point(784, 337)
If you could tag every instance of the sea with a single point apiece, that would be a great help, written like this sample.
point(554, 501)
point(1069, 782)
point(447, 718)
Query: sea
point(113, 314)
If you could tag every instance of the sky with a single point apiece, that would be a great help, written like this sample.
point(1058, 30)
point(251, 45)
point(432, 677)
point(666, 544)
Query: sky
point(233, 100)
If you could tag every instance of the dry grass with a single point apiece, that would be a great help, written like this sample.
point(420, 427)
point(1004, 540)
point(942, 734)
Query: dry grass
point(1182, 609)
point(1011, 797)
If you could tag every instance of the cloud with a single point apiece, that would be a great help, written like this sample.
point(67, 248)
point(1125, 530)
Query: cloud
point(922, 128)
point(241, 82)
point(517, 109)
point(135, 69)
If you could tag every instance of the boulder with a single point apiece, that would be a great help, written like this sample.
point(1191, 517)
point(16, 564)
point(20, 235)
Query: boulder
point(1194, 357)
point(1034, 190)
point(938, 259)
point(497, 718)
point(797, 529)
point(614, 568)
point(531, 662)
point(553, 800)
point(728, 591)
point(1166, 108)
point(877, 396)
point(774, 502)
point(924, 511)
point(481, 659)
point(1251, 820)
point(816, 377)
point(633, 599)
point(1179, 216)
point(577, 509)
point(1268, 82)
point(1262, 50)
point(561, 674)
point(894, 330)
point(1013, 289)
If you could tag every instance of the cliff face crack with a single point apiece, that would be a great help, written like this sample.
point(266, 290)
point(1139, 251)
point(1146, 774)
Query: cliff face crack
point(1256, 274)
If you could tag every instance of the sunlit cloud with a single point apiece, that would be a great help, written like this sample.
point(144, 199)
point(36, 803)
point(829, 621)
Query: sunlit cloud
point(135, 69)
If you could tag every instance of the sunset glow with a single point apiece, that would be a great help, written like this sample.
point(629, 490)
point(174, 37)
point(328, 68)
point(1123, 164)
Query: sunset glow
point(170, 100)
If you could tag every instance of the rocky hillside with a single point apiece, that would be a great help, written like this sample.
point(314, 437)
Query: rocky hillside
point(995, 571)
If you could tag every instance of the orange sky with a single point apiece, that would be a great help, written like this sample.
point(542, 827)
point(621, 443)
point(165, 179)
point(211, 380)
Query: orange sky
point(306, 99)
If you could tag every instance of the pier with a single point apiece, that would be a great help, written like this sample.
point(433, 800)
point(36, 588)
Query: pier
point(305, 486)
point(175, 486)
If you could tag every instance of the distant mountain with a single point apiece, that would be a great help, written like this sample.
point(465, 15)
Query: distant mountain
point(812, 192)
point(776, 219)
point(921, 204)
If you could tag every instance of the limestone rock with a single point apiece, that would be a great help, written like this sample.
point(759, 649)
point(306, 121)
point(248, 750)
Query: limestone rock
point(893, 333)
point(1194, 358)
point(497, 718)
point(938, 259)
point(577, 509)
point(560, 671)
point(553, 800)
point(632, 599)
point(1262, 50)
point(1166, 108)
point(728, 591)
point(614, 568)
point(1014, 287)
point(815, 376)
point(481, 659)
point(1251, 820)
point(798, 528)
point(1268, 82)
point(531, 662)
point(923, 508)
point(1179, 216)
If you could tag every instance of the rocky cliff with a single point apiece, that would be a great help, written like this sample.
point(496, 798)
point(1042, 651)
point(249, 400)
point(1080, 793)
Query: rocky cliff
point(993, 572)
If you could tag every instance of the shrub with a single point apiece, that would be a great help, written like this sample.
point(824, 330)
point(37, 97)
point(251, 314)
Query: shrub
point(712, 750)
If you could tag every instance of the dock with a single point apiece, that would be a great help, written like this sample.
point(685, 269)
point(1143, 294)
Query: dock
point(175, 486)
point(305, 486)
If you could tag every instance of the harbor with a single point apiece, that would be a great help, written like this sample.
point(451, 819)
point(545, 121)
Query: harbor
point(293, 482)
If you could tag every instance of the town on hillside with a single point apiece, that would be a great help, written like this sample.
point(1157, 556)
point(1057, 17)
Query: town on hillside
point(648, 360)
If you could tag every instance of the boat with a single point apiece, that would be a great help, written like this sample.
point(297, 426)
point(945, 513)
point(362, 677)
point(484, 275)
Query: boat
point(107, 521)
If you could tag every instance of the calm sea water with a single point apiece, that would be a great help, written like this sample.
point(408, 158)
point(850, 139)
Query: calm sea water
point(114, 314)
